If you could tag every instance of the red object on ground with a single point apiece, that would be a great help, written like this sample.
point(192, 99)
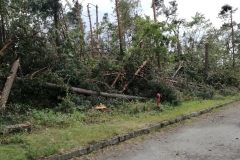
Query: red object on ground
point(158, 99)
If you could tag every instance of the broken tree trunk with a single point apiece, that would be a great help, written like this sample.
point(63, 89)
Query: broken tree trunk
point(120, 35)
point(113, 84)
point(91, 33)
point(90, 92)
point(8, 85)
point(136, 73)
point(6, 46)
point(180, 66)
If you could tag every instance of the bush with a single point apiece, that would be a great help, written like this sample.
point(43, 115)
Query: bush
point(202, 92)
point(228, 91)
point(207, 92)
point(168, 93)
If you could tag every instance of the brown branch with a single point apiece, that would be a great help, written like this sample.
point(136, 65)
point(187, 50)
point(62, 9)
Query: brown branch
point(180, 66)
point(37, 72)
point(5, 47)
point(113, 74)
point(113, 84)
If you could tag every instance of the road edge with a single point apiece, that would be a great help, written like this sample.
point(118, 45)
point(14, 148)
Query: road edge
point(121, 138)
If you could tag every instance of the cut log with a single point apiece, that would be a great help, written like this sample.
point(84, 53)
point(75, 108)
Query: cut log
point(8, 85)
point(13, 129)
point(102, 107)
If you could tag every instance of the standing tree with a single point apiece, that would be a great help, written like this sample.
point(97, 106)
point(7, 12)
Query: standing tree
point(51, 8)
point(154, 10)
point(91, 33)
point(226, 14)
point(119, 28)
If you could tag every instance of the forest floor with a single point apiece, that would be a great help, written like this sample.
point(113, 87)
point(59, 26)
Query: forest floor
point(215, 135)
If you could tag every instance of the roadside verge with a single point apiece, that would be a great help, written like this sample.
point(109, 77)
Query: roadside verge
point(121, 138)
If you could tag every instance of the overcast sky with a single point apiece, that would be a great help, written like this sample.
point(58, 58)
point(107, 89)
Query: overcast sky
point(186, 8)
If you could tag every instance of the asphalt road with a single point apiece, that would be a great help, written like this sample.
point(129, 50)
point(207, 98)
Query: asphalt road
point(213, 136)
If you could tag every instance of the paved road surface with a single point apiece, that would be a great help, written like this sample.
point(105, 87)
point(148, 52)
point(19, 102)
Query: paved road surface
point(213, 136)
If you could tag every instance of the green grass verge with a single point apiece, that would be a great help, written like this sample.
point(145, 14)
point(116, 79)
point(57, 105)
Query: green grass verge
point(56, 133)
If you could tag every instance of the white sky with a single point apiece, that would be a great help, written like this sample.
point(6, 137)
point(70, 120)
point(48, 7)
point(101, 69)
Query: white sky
point(186, 8)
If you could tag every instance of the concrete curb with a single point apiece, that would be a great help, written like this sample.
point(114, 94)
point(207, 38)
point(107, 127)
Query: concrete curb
point(122, 138)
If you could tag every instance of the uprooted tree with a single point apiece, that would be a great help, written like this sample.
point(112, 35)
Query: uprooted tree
point(139, 56)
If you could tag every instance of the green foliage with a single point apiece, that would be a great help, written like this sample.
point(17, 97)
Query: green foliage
point(32, 30)
point(224, 77)
point(206, 92)
point(228, 91)
point(168, 93)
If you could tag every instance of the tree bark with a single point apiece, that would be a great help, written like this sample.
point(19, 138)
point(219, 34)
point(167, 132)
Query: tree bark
point(80, 18)
point(91, 33)
point(5, 47)
point(119, 29)
point(8, 85)
point(13, 129)
point(233, 45)
point(180, 66)
point(81, 27)
point(178, 47)
point(206, 58)
point(90, 92)
point(97, 38)
point(2, 30)
point(56, 22)
point(154, 11)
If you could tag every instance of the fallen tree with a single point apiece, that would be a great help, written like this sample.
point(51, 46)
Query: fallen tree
point(8, 85)
point(90, 92)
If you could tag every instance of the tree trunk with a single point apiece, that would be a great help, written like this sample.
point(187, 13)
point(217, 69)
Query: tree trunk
point(180, 66)
point(8, 85)
point(3, 30)
point(56, 22)
point(6, 46)
point(154, 11)
point(89, 92)
point(91, 33)
point(119, 28)
point(206, 58)
point(97, 39)
point(80, 26)
point(233, 45)
point(179, 48)
point(1, 33)
point(80, 18)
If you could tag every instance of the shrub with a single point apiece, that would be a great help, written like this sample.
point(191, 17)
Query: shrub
point(228, 91)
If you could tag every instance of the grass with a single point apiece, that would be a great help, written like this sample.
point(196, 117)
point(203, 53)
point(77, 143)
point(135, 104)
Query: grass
point(57, 133)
